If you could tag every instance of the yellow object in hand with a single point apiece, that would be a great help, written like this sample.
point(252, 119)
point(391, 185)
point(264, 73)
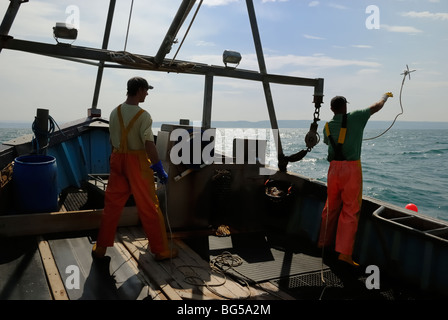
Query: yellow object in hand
point(387, 95)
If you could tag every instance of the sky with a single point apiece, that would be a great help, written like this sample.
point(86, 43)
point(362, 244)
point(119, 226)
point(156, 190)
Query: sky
point(360, 48)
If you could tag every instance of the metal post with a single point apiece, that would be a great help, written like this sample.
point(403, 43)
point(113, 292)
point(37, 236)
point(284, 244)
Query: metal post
point(8, 19)
point(41, 130)
point(207, 108)
point(94, 111)
point(319, 92)
point(263, 71)
point(165, 47)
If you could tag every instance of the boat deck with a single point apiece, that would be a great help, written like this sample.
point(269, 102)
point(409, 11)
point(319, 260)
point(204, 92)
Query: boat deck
point(244, 265)
point(61, 268)
point(208, 268)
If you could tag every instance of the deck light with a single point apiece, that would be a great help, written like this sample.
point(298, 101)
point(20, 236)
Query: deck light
point(64, 30)
point(231, 57)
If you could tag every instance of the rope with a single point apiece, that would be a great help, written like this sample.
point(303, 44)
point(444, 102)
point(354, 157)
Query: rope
point(186, 33)
point(196, 280)
point(168, 225)
point(405, 73)
point(129, 23)
point(220, 265)
point(47, 134)
point(323, 245)
point(136, 61)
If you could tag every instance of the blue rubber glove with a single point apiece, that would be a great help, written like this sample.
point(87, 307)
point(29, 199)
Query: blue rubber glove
point(161, 174)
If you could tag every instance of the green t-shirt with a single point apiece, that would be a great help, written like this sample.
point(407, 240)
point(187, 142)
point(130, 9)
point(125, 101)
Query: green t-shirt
point(356, 122)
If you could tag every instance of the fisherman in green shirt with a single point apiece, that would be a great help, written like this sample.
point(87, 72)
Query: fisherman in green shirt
point(343, 135)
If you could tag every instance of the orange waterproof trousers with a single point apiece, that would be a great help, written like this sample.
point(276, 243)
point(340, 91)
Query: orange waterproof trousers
point(130, 173)
point(341, 212)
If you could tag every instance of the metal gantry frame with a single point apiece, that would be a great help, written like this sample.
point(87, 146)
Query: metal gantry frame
point(106, 59)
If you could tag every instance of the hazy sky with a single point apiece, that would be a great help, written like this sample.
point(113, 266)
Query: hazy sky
point(359, 47)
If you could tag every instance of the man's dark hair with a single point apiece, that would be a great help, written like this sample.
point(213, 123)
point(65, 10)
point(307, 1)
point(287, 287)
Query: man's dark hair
point(135, 83)
point(338, 103)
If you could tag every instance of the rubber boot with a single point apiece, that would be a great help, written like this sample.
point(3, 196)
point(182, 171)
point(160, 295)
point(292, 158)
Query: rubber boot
point(348, 259)
point(98, 252)
point(166, 255)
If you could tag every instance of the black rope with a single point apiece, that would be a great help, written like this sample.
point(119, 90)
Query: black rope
point(45, 134)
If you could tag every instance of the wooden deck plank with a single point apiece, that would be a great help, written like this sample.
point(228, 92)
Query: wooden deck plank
point(112, 278)
point(54, 222)
point(199, 274)
point(275, 291)
point(172, 271)
point(155, 294)
point(56, 284)
point(191, 277)
point(188, 263)
point(185, 278)
point(137, 248)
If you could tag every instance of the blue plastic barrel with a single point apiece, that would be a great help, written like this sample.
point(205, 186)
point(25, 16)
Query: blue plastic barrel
point(35, 184)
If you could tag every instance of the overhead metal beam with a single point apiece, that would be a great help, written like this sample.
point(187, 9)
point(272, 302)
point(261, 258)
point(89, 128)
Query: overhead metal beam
point(64, 51)
point(8, 19)
point(170, 36)
point(10, 15)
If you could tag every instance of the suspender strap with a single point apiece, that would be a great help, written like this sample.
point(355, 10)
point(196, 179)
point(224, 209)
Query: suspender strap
point(339, 156)
point(343, 131)
point(125, 130)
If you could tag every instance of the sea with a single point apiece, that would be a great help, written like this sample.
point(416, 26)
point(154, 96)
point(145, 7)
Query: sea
point(400, 167)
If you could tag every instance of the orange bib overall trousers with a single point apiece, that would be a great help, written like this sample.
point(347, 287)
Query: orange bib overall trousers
point(130, 173)
point(341, 212)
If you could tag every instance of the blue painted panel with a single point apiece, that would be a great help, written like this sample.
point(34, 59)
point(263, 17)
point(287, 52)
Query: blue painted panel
point(78, 157)
point(100, 153)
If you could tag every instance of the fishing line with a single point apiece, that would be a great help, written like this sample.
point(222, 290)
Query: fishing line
point(323, 245)
point(405, 73)
point(168, 224)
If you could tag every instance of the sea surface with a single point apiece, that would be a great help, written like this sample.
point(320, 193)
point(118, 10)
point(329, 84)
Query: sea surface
point(400, 167)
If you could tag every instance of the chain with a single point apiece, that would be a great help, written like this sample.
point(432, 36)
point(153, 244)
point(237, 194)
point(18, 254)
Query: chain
point(312, 138)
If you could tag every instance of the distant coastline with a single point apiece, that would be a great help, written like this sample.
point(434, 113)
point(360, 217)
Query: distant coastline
point(286, 124)
point(306, 124)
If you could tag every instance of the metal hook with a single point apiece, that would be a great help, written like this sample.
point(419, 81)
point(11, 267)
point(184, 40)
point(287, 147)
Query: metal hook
point(407, 72)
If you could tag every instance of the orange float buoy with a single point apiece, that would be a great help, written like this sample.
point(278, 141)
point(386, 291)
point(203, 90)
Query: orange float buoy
point(412, 207)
